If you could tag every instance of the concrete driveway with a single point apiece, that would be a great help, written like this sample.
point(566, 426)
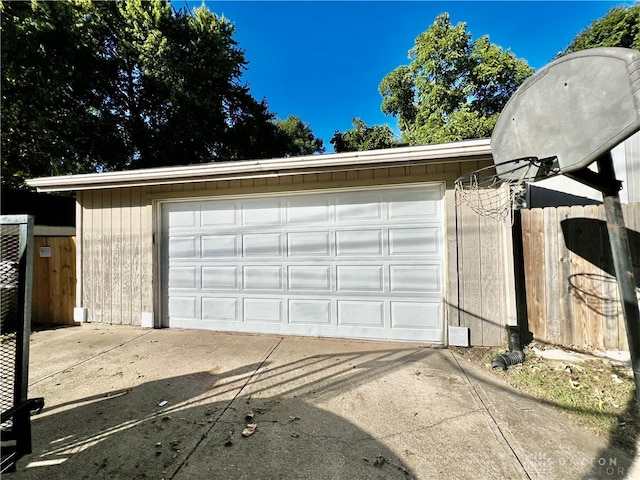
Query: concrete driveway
point(128, 403)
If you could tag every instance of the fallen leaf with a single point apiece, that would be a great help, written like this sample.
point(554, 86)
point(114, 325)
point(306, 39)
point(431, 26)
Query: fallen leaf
point(251, 427)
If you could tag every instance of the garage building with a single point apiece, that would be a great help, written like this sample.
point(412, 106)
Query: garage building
point(367, 245)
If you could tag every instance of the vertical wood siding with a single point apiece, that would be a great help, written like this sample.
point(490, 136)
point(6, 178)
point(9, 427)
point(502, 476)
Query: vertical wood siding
point(481, 277)
point(116, 259)
point(571, 291)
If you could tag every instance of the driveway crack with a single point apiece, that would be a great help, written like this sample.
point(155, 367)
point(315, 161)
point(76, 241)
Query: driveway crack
point(227, 407)
point(71, 367)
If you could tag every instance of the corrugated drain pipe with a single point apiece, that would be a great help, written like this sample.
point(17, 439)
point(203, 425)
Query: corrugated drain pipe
point(515, 354)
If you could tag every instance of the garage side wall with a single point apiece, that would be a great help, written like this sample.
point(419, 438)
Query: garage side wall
point(485, 297)
point(117, 249)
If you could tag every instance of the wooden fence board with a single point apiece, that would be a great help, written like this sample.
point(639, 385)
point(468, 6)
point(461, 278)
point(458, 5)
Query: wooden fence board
point(592, 299)
point(538, 302)
point(564, 272)
point(54, 280)
point(572, 296)
point(551, 264)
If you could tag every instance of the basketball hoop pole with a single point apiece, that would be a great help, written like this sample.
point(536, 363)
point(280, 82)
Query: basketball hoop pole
point(605, 181)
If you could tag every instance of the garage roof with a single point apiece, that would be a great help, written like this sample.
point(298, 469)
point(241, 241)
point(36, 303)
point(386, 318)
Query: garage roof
point(469, 150)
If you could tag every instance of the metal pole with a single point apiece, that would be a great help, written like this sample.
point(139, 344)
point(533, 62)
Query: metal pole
point(622, 262)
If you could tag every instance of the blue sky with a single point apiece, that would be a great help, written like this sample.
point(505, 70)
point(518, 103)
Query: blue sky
point(323, 61)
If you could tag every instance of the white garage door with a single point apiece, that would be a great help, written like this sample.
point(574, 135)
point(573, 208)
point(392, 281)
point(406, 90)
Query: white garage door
point(356, 264)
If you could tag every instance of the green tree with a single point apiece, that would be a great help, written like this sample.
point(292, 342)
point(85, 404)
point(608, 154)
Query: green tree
point(620, 27)
point(299, 136)
point(96, 86)
point(363, 137)
point(454, 88)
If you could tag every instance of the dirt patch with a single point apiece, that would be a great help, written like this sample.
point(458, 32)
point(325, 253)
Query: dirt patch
point(598, 393)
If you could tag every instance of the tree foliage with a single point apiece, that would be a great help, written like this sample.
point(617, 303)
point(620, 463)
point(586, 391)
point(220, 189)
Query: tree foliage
point(299, 137)
point(620, 27)
point(363, 137)
point(94, 86)
point(454, 88)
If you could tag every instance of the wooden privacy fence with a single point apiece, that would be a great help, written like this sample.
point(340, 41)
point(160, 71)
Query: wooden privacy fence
point(571, 290)
point(54, 280)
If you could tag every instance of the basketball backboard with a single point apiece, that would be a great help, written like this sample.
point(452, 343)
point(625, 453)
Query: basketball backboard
point(575, 109)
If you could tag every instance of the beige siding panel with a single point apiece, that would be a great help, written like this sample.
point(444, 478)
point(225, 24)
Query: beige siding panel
point(106, 257)
point(324, 177)
point(396, 171)
point(136, 259)
point(88, 239)
point(471, 301)
point(98, 243)
point(338, 176)
point(116, 257)
point(492, 289)
point(147, 258)
point(125, 233)
point(451, 295)
point(365, 174)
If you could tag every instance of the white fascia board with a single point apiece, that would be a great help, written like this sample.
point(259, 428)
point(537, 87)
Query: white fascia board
point(441, 153)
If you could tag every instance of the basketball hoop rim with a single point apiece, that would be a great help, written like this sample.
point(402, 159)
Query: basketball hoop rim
point(548, 165)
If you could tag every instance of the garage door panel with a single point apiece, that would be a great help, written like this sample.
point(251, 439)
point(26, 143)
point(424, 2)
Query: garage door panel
point(220, 278)
point(183, 247)
point(220, 309)
point(346, 264)
point(183, 277)
point(359, 278)
point(414, 241)
point(313, 278)
point(182, 307)
point(412, 205)
point(358, 207)
point(263, 277)
point(304, 244)
point(219, 214)
point(262, 212)
point(360, 313)
point(415, 278)
point(309, 312)
point(415, 315)
point(263, 310)
point(361, 243)
point(219, 246)
point(261, 245)
point(182, 216)
point(308, 210)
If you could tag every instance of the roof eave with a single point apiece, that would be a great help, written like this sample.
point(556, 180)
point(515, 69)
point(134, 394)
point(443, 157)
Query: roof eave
point(469, 150)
